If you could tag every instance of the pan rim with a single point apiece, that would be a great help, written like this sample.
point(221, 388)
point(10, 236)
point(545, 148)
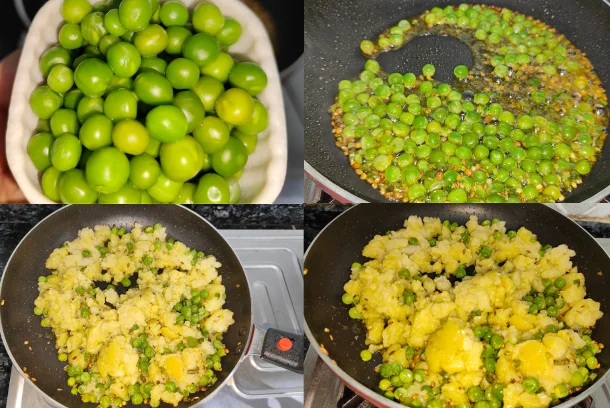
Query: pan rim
point(593, 193)
point(27, 379)
point(362, 390)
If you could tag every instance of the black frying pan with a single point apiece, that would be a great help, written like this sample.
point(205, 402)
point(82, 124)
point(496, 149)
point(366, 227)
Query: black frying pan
point(19, 289)
point(334, 30)
point(330, 255)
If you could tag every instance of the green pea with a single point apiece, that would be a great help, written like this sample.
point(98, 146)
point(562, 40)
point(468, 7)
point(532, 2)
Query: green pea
point(44, 102)
point(560, 283)
point(120, 104)
point(182, 73)
point(229, 33)
point(208, 90)
point(475, 393)
point(153, 89)
point(157, 65)
point(93, 77)
point(73, 11)
point(135, 14)
point(201, 48)
point(166, 123)
point(124, 59)
point(92, 28)
point(220, 67)
point(174, 13)
point(207, 18)
point(151, 40)
point(460, 71)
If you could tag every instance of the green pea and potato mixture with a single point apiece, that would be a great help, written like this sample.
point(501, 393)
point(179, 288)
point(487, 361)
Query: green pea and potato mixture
point(143, 102)
point(474, 315)
point(525, 123)
point(160, 341)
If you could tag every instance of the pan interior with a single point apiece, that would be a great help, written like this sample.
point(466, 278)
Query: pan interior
point(442, 51)
point(19, 287)
point(334, 30)
point(329, 258)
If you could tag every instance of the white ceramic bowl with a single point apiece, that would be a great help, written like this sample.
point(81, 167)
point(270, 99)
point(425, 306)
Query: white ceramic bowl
point(264, 174)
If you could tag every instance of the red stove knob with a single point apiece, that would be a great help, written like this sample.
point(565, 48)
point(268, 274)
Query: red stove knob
point(284, 344)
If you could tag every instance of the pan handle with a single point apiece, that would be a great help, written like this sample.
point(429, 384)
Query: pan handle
point(284, 349)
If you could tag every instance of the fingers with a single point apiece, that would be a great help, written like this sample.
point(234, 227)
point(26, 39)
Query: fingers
point(8, 69)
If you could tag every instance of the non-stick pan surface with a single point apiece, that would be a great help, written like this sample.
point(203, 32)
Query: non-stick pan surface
point(334, 30)
point(38, 358)
point(329, 258)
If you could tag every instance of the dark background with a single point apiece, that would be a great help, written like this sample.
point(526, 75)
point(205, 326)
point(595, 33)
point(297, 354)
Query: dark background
point(18, 220)
point(11, 27)
point(318, 216)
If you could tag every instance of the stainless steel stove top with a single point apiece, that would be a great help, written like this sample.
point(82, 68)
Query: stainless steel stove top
point(273, 261)
point(323, 389)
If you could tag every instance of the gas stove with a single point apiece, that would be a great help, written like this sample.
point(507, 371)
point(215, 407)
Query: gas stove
point(323, 389)
point(273, 261)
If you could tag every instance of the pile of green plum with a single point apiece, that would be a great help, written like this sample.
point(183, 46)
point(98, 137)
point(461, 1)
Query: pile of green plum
point(142, 104)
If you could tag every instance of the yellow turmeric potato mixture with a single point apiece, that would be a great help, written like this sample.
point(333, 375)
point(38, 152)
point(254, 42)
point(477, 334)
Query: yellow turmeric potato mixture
point(160, 340)
point(474, 315)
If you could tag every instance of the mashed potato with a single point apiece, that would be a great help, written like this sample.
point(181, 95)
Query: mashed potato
point(513, 328)
point(161, 340)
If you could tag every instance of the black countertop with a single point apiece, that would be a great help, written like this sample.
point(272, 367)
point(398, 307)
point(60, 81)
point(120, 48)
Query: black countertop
point(17, 220)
